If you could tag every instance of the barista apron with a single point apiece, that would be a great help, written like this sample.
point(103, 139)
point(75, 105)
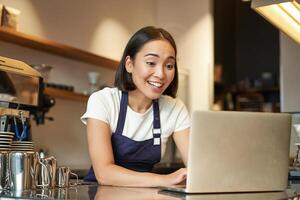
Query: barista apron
point(135, 155)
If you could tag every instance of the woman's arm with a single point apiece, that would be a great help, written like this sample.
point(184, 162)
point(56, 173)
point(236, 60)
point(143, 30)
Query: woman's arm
point(107, 173)
point(181, 139)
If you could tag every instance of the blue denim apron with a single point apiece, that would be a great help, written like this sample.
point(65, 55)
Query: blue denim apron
point(135, 155)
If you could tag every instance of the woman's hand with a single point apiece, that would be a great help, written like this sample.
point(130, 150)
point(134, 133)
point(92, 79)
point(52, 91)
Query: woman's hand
point(175, 178)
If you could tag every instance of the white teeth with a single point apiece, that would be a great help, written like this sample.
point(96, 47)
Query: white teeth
point(155, 84)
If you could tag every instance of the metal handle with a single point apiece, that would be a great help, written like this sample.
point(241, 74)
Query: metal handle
point(44, 175)
point(16, 129)
point(52, 170)
point(76, 183)
point(24, 131)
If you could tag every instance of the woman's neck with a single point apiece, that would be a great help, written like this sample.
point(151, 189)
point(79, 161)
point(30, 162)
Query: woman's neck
point(138, 101)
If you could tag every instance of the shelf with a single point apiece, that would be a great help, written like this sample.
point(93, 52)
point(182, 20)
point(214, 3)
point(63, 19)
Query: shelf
point(63, 94)
point(52, 47)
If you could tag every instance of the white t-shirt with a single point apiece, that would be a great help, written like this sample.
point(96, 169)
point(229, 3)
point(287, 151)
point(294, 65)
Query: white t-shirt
point(104, 105)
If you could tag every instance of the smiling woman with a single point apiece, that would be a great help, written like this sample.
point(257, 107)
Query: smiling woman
point(128, 126)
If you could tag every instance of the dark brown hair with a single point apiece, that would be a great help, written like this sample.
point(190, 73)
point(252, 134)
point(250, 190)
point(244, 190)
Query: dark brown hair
point(123, 79)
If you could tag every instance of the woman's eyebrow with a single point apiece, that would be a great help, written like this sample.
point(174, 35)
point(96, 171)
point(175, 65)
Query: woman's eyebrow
point(151, 54)
point(155, 55)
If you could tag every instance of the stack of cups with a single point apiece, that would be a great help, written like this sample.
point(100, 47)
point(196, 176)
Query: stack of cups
point(6, 140)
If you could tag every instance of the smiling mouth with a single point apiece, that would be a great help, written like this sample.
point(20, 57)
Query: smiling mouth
point(155, 84)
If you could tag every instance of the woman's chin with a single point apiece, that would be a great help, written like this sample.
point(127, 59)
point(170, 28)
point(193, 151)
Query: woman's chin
point(154, 95)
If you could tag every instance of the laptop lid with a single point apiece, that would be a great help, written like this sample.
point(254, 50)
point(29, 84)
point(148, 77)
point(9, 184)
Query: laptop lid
point(238, 152)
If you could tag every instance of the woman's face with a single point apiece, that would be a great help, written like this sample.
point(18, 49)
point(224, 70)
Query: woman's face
point(153, 68)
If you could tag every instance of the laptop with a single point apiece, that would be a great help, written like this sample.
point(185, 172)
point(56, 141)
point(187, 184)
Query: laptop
point(237, 152)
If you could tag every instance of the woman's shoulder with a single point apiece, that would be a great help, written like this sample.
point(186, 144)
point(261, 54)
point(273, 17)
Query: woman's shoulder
point(107, 94)
point(107, 91)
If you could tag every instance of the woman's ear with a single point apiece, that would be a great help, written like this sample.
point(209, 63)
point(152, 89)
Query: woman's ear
point(128, 64)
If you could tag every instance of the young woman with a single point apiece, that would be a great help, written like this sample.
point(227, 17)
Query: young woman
point(128, 126)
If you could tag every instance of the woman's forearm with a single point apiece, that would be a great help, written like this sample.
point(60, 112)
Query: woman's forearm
point(119, 176)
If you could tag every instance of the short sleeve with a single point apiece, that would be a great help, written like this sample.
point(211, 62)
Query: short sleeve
point(97, 108)
point(183, 120)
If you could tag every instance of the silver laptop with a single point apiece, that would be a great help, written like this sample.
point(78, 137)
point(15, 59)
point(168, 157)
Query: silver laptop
point(237, 152)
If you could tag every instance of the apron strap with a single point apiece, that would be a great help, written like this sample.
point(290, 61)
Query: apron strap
point(156, 123)
point(122, 113)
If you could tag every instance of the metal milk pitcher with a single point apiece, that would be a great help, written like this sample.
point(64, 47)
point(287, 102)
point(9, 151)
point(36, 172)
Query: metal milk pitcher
point(45, 171)
point(63, 177)
point(21, 170)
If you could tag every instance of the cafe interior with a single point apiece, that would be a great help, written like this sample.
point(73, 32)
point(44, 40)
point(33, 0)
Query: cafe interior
point(235, 55)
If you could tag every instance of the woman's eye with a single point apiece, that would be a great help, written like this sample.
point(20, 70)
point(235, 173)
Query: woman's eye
point(170, 66)
point(150, 63)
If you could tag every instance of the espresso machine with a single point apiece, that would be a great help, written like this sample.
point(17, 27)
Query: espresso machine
point(21, 96)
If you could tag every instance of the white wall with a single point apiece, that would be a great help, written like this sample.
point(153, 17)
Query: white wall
point(289, 74)
point(100, 26)
point(104, 27)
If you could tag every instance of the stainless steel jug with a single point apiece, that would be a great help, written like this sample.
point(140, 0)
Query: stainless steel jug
point(63, 177)
point(21, 168)
point(45, 171)
point(4, 172)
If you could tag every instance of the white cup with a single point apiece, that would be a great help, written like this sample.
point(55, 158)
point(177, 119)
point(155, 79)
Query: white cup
point(93, 77)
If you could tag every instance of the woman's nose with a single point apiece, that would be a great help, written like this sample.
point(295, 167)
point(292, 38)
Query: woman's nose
point(160, 72)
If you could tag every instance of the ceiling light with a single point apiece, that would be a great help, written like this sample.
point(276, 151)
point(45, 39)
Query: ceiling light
point(284, 14)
